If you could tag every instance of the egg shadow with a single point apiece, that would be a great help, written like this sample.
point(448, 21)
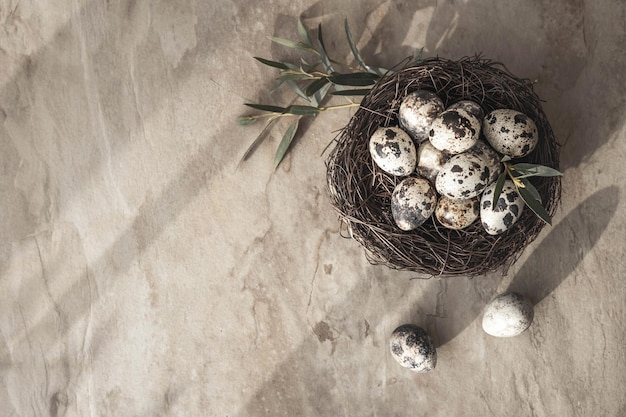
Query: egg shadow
point(554, 259)
point(564, 248)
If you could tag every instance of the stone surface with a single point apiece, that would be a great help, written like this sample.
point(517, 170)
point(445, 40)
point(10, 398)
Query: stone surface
point(144, 272)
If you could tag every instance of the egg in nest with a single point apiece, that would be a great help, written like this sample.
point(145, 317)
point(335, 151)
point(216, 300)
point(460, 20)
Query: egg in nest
point(393, 151)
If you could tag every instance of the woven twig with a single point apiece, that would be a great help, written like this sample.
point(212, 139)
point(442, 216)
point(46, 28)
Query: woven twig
point(361, 192)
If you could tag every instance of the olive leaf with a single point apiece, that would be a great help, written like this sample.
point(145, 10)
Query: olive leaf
point(353, 92)
point(258, 140)
point(285, 143)
point(531, 189)
point(296, 88)
point(534, 205)
point(321, 94)
point(498, 189)
point(356, 79)
point(265, 107)
point(302, 110)
point(271, 63)
point(291, 44)
point(357, 54)
point(533, 170)
point(246, 120)
point(316, 85)
point(322, 51)
point(304, 34)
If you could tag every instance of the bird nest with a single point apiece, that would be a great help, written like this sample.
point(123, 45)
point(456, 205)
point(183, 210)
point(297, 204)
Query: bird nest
point(361, 192)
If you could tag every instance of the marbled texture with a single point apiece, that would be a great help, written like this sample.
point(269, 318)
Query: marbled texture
point(144, 272)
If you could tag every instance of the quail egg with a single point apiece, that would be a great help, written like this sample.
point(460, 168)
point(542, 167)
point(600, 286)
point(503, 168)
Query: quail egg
point(429, 160)
point(508, 315)
point(454, 131)
point(417, 111)
point(393, 150)
point(457, 214)
point(412, 202)
point(463, 176)
point(510, 132)
point(490, 157)
point(412, 348)
point(507, 211)
point(469, 106)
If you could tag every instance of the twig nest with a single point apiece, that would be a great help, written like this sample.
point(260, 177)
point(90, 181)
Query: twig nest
point(508, 315)
point(361, 189)
point(417, 112)
point(412, 348)
point(393, 151)
point(510, 132)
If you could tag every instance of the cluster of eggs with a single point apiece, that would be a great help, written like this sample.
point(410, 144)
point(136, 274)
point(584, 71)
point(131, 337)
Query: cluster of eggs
point(451, 158)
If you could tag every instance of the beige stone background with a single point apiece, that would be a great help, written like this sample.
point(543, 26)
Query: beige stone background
point(143, 273)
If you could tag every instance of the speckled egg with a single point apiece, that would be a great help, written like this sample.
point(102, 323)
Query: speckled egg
point(490, 157)
point(417, 111)
point(393, 150)
point(508, 315)
point(507, 211)
point(457, 214)
point(510, 132)
point(454, 131)
point(430, 160)
point(469, 106)
point(412, 348)
point(412, 202)
point(463, 176)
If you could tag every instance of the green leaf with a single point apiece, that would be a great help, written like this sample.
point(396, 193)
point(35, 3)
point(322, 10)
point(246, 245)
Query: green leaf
point(534, 205)
point(355, 50)
point(354, 92)
point(323, 55)
point(321, 94)
point(290, 44)
point(505, 158)
point(285, 143)
point(533, 170)
point(295, 76)
point(265, 107)
point(304, 34)
point(316, 85)
point(258, 140)
point(531, 189)
point(270, 63)
point(296, 88)
point(276, 86)
point(246, 120)
point(302, 110)
point(498, 190)
point(356, 79)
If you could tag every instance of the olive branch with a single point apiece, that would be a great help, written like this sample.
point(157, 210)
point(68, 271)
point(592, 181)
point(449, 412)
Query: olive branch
point(519, 174)
point(312, 82)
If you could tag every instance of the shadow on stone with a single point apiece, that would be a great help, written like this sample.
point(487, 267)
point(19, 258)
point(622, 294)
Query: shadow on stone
point(558, 255)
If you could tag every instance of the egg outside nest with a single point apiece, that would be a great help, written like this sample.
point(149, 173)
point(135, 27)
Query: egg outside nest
point(508, 315)
point(413, 348)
